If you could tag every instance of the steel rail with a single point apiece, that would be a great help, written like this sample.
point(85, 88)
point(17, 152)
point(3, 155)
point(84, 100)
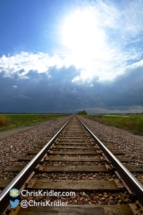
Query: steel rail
point(134, 185)
point(22, 176)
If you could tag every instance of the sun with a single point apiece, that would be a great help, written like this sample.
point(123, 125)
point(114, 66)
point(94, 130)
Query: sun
point(85, 43)
point(81, 33)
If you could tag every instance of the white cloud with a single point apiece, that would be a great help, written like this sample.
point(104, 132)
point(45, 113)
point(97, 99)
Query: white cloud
point(127, 19)
point(24, 62)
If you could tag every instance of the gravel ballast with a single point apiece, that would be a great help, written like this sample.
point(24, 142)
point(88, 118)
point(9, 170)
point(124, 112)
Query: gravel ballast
point(18, 145)
point(120, 139)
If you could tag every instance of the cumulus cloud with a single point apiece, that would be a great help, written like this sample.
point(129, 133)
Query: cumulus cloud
point(23, 62)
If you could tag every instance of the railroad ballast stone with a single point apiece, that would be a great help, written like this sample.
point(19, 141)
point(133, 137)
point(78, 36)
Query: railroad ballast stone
point(17, 145)
point(128, 144)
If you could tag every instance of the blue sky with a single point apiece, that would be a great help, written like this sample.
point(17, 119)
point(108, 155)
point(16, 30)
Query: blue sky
point(73, 54)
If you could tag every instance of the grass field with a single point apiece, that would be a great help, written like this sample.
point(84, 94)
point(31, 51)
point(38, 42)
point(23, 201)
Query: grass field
point(133, 123)
point(9, 121)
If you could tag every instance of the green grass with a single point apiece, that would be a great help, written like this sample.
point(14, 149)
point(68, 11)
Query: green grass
point(133, 123)
point(9, 121)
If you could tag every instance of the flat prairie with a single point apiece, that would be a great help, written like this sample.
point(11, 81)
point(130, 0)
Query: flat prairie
point(9, 121)
point(132, 123)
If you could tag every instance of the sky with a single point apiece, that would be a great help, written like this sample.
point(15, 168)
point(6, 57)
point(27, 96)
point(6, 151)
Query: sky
point(67, 56)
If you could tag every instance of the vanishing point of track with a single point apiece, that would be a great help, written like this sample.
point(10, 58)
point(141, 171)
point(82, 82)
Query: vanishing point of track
point(75, 161)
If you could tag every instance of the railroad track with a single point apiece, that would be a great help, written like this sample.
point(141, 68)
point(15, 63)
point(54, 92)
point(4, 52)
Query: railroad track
point(74, 173)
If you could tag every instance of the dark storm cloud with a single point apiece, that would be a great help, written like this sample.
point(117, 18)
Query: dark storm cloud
point(38, 92)
point(126, 90)
point(55, 92)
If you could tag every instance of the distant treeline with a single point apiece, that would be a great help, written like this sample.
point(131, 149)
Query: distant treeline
point(83, 112)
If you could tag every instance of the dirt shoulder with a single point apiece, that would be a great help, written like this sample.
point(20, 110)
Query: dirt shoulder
point(10, 132)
